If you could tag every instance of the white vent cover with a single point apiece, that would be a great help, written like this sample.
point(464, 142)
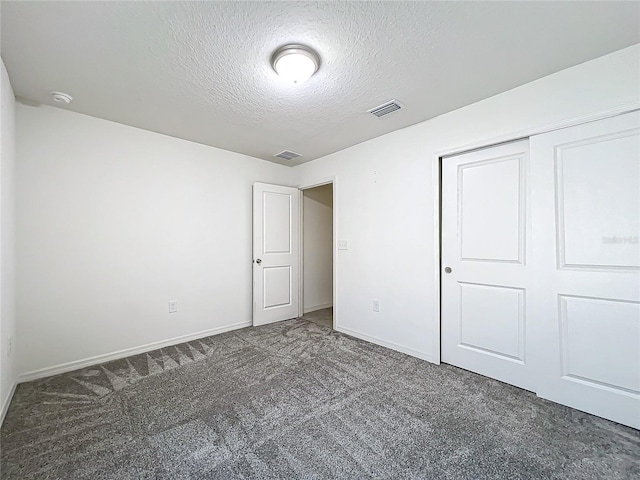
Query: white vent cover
point(287, 155)
point(386, 108)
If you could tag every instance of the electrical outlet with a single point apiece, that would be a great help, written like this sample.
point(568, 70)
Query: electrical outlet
point(9, 346)
point(173, 306)
point(376, 305)
point(343, 245)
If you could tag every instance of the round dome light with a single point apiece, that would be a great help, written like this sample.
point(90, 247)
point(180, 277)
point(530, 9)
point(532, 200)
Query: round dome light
point(295, 63)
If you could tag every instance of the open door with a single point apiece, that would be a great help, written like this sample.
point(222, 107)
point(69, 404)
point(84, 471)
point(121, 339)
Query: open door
point(276, 260)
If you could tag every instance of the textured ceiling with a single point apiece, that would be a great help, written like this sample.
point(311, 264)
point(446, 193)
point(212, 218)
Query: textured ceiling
point(201, 71)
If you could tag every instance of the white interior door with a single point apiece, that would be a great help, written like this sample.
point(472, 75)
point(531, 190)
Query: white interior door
point(485, 244)
point(586, 258)
point(276, 262)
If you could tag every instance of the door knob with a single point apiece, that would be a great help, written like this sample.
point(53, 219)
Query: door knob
point(258, 261)
point(447, 270)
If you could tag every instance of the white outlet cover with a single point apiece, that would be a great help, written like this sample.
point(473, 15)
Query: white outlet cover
point(376, 305)
point(343, 245)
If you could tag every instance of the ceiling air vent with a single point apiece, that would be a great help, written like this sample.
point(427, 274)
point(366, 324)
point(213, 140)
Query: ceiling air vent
point(386, 108)
point(287, 155)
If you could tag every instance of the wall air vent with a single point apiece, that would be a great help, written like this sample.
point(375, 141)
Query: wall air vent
point(386, 108)
point(287, 155)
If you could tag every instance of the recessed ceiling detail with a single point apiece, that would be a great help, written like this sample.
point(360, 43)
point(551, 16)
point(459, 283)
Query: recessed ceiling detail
point(287, 155)
point(386, 108)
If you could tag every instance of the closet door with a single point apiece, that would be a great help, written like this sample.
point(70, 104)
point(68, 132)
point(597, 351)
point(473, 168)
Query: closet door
point(485, 263)
point(586, 261)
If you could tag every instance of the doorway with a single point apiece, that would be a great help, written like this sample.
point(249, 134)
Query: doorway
point(317, 254)
point(279, 253)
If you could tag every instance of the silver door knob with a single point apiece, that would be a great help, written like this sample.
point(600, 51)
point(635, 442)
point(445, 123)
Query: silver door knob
point(447, 270)
point(258, 261)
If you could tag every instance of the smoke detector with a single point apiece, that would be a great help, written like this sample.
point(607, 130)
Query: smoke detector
point(287, 155)
point(386, 108)
point(60, 97)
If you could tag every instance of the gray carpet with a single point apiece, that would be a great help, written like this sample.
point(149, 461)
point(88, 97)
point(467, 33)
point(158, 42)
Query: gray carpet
point(297, 400)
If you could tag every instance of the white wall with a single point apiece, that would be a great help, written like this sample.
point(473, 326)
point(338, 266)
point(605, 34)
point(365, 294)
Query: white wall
point(113, 222)
point(386, 200)
point(318, 247)
point(7, 242)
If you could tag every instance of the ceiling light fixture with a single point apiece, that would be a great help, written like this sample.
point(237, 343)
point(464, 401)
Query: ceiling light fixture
point(295, 63)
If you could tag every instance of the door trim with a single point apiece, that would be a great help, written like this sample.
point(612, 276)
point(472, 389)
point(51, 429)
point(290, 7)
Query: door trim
point(333, 180)
point(436, 168)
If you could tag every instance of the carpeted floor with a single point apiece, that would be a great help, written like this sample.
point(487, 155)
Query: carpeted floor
point(297, 400)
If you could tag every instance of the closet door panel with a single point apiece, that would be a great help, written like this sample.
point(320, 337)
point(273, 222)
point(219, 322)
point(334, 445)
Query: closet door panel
point(586, 262)
point(485, 278)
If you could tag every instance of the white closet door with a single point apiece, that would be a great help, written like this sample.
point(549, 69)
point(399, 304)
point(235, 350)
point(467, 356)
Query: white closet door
point(485, 243)
point(586, 260)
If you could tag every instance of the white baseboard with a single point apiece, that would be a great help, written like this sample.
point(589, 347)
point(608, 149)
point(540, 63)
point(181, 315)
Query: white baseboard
point(385, 343)
point(318, 307)
point(127, 352)
point(6, 402)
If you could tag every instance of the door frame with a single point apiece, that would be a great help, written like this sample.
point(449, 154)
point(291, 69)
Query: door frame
point(333, 180)
point(436, 167)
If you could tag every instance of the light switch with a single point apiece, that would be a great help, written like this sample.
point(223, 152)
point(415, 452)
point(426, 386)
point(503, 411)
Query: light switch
point(173, 306)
